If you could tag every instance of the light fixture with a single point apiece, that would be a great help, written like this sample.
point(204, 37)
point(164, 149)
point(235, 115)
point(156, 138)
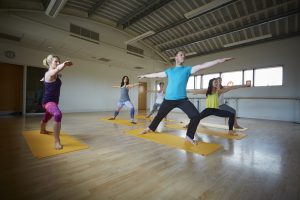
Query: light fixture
point(205, 8)
point(247, 40)
point(54, 7)
point(187, 54)
point(140, 37)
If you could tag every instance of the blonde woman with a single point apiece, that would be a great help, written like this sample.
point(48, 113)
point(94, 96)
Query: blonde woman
point(50, 101)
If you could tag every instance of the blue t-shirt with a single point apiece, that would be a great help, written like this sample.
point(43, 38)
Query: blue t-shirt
point(177, 81)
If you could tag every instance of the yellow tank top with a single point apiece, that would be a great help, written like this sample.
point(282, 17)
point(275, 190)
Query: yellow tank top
point(212, 101)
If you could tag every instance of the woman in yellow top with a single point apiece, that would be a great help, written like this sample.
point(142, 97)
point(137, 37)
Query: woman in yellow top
point(212, 105)
point(221, 90)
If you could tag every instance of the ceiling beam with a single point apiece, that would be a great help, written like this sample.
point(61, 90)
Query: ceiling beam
point(289, 35)
point(97, 5)
point(267, 20)
point(142, 12)
point(184, 20)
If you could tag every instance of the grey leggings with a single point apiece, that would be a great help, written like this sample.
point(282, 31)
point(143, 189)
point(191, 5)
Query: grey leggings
point(155, 108)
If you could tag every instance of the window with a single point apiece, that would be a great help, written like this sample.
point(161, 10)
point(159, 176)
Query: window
point(248, 76)
point(198, 82)
point(233, 78)
point(157, 85)
point(191, 83)
point(207, 77)
point(268, 76)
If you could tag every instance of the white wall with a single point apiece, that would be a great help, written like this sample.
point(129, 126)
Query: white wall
point(86, 85)
point(283, 52)
point(37, 31)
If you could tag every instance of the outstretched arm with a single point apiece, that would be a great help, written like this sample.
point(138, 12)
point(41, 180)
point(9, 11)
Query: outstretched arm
point(133, 85)
point(209, 64)
point(197, 91)
point(59, 68)
point(228, 88)
point(153, 75)
point(116, 86)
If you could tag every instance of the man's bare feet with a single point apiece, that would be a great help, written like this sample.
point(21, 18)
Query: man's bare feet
point(145, 131)
point(45, 132)
point(238, 127)
point(112, 118)
point(58, 146)
point(190, 140)
point(233, 133)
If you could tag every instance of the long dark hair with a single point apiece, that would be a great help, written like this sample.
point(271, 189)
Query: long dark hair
point(210, 87)
point(122, 83)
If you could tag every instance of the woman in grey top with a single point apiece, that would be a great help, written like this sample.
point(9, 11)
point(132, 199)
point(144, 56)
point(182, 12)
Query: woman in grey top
point(124, 98)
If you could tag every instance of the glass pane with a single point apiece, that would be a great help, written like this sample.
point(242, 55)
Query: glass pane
point(198, 82)
point(34, 90)
point(232, 78)
point(191, 82)
point(268, 76)
point(248, 76)
point(207, 77)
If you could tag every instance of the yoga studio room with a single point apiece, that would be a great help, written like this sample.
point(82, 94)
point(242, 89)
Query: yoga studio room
point(150, 99)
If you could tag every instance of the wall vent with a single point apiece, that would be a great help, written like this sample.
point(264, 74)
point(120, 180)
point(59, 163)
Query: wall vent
point(135, 51)
point(104, 59)
point(84, 33)
point(10, 37)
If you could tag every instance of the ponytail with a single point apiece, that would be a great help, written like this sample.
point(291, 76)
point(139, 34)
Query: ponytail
point(45, 62)
point(48, 60)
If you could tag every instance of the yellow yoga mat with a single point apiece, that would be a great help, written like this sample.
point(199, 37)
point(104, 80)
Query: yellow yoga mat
point(176, 126)
point(122, 122)
point(143, 117)
point(220, 126)
point(42, 145)
point(201, 148)
point(223, 134)
point(151, 118)
point(206, 131)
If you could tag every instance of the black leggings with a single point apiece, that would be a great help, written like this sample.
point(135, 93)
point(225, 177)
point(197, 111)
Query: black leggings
point(220, 113)
point(186, 106)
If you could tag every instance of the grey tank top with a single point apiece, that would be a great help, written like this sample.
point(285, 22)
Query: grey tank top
point(124, 94)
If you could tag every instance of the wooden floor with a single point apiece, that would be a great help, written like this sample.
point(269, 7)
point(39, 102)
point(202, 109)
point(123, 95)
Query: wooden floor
point(264, 165)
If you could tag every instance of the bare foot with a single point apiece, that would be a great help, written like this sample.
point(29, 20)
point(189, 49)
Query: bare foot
point(133, 122)
point(145, 131)
point(58, 146)
point(190, 140)
point(112, 118)
point(45, 132)
point(233, 133)
point(238, 127)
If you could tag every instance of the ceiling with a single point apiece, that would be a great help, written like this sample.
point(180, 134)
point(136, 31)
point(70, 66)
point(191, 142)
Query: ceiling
point(227, 24)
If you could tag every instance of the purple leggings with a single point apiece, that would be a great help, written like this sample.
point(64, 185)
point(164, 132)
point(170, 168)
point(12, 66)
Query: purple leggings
point(52, 110)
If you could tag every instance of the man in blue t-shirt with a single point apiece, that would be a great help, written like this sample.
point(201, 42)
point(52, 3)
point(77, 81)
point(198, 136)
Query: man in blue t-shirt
point(176, 97)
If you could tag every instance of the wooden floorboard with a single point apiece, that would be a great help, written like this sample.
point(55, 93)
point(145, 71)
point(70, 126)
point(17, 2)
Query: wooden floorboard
point(264, 165)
